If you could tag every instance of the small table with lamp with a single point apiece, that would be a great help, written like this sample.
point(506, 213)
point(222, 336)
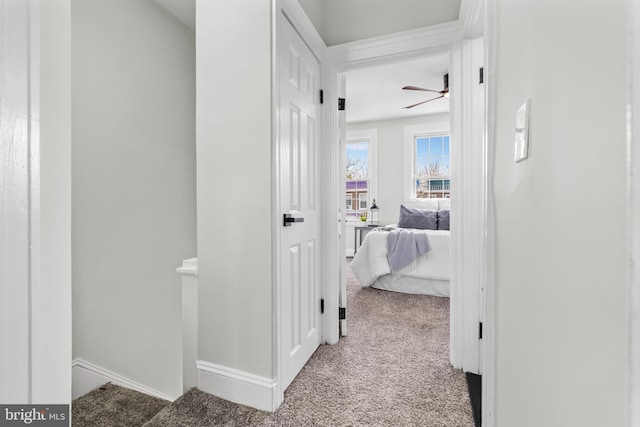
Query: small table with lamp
point(362, 230)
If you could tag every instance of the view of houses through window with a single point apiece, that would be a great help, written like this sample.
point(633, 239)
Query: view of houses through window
point(357, 179)
point(432, 176)
point(432, 166)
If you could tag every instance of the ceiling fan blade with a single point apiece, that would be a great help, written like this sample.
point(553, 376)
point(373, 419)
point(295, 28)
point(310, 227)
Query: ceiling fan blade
point(420, 88)
point(424, 102)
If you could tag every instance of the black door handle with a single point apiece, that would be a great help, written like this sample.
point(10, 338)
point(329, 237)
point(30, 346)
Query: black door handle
point(288, 219)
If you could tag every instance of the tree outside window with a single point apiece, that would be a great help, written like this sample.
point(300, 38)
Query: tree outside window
point(432, 160)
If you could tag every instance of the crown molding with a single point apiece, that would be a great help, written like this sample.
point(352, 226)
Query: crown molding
point(427, 40)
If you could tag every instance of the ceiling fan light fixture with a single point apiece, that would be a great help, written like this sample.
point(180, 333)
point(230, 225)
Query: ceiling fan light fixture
point(443, 93)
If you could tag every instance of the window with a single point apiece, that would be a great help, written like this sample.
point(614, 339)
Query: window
point(363, 201)
point(432, 166)
point(357, 176)
point(349, 200)
point(427, 160)
point(360, 168)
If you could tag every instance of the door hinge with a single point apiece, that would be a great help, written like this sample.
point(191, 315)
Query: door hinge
point(481, 75)
point(321, 96)
point(342, 314)
point(322, 306)
point(480, 330)
point(341, 104)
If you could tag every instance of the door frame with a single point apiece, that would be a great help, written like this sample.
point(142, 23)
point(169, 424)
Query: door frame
point(487, 18)
point(633, 218)
point(37, 201)
point(404, 46)
point(19, 199)
point(339, 59)
point(468, 187)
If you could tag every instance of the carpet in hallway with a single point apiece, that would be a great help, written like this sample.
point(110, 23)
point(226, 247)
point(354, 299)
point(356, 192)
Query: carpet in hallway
point(113, 406)
point(391, 370)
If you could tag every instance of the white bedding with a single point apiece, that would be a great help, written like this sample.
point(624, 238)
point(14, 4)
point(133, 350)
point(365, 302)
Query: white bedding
point(413, 285)
point(370, 262)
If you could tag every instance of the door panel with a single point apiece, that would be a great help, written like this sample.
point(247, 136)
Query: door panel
point(299, 112)
point(311, 162)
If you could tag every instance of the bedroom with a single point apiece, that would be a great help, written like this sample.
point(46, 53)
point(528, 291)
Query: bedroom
point(392, 135)
point(382, 139)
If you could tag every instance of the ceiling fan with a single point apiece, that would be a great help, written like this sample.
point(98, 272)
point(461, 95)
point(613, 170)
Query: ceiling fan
point(443, 93)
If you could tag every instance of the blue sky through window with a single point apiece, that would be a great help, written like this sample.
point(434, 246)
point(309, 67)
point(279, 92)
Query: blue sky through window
point(432, 155)
point(357, 160)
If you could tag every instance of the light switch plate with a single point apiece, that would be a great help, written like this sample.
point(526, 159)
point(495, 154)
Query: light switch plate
point(522, 132)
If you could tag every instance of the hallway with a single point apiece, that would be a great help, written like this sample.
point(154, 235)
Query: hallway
point(392, 369)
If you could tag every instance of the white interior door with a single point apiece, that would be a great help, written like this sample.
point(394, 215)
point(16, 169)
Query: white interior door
point(299, 112)
point(468, 218)
point(342, 139)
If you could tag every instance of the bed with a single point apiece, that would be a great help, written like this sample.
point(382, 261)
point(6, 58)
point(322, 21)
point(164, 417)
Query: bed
point(428, 273)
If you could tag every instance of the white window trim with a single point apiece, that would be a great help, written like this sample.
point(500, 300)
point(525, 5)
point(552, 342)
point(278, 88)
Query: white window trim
point(371, 136)
point(410, 133)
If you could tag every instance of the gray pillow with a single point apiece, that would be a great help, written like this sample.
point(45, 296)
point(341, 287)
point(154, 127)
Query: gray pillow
point(443, 219)
point(423, 219)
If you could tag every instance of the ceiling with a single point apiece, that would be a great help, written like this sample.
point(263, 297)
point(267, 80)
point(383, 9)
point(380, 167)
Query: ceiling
point(344, 21)
point(376, 93)
point(372, 93)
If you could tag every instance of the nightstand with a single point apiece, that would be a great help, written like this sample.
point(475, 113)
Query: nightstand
point(359, 233)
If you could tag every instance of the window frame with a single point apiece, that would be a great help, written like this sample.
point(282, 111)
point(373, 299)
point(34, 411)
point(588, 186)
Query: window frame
point(363, 199)
point(371, 137)
point(442, 179)
point(411, 132)
point(348, 206)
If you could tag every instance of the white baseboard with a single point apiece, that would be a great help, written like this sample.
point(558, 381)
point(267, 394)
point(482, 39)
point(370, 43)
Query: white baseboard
point(238, 386)
point(86, 377)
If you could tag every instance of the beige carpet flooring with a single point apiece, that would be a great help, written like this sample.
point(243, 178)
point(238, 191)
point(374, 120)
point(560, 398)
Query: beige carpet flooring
point(391, 370)
point(114, 406)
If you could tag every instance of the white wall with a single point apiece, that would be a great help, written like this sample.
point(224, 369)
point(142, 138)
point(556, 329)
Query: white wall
point(235, 315)
point(52, 334)
point(134, 213)
point(561, 310)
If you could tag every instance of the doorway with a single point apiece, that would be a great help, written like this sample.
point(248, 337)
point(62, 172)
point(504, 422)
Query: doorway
point(465, 60)
point(468, 246)
point(377, 141)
